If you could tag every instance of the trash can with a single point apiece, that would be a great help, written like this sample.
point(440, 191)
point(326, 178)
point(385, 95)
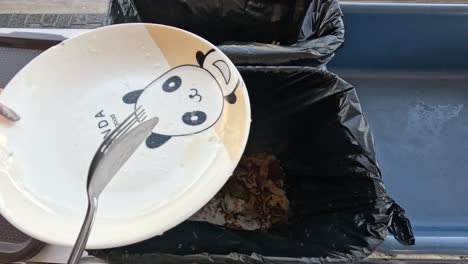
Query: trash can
point(305, 118)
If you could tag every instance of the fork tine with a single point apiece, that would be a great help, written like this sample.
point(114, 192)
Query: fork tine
point(124, 123)
point(130, 116)
point(128, 123)
point(143, 118)
point(127, 127)
point(122, 127)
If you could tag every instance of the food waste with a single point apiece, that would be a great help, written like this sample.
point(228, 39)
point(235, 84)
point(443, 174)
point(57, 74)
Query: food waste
point(254, 198)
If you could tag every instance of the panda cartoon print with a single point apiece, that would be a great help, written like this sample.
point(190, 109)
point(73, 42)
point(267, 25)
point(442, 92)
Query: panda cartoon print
point(188, 99)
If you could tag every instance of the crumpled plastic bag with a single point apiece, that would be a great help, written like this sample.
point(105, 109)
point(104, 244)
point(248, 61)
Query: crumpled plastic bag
point(308, 118)
point(250, 32)
point(122, 11)
point(312, 121)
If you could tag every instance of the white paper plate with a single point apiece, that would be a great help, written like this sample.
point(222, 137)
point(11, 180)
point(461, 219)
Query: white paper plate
point(73, 94)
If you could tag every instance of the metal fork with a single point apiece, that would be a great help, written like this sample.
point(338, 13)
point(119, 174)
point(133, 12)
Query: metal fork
point(8, 113)
point(111, 155)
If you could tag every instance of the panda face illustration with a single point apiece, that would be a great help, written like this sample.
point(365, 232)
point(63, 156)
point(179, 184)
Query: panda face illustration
point(194, 94)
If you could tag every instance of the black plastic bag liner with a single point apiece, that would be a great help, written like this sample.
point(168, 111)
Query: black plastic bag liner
point(312, 121)
point(309, 118)
point(250, 32)
point(122, 11)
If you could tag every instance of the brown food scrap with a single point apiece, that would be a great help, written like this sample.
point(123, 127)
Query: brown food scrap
point(254, 198)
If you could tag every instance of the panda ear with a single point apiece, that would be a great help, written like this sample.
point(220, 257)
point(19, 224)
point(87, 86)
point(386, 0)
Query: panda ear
point(200, 58)
point(221, 68)
point(232, 98)
point(156, 140)
point(132, 97)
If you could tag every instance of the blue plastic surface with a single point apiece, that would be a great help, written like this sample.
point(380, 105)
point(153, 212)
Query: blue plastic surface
point(409, 64)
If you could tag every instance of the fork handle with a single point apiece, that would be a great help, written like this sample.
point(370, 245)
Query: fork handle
point(80, 243)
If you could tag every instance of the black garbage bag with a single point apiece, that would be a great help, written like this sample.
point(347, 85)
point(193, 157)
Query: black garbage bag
point(263, 21)
point(122, 11)
point(250, 32)
point(307, 117)
point(312, 121)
